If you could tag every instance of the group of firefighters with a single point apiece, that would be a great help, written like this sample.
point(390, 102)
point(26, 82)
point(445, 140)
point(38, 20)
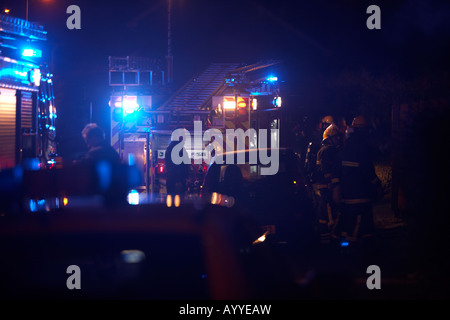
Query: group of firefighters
point(342, 181)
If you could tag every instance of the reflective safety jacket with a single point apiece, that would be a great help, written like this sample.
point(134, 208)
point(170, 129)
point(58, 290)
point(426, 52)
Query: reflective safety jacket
point(327, 166)
point(358, 179)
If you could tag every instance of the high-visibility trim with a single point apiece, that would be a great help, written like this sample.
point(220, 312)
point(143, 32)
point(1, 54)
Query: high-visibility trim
point(356, 201)
point(350, 164)
point(318, 162)
point(320, 186)
point(330, 214)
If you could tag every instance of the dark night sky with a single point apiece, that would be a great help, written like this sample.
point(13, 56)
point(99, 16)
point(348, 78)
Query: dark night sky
point(312, 37)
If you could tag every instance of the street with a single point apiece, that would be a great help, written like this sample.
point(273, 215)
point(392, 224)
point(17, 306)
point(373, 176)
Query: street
point(340, 273)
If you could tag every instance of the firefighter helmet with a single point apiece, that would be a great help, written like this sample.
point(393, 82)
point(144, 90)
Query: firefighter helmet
point(328, 119)
point(331, 130)
point(359, 122)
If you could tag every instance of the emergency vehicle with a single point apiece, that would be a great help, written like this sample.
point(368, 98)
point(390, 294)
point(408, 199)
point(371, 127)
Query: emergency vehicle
point(224, 96)
point(27, 110)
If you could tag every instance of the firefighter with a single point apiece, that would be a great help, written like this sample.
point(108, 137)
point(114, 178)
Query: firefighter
point(176, 174)
point(107, 165)
point(327, 183)
point(314, 146)
point(326, 122)
point(359, 184)
point(99, 149)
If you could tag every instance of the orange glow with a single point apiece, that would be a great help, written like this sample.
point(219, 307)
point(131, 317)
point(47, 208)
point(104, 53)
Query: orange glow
point(177, 200)
point(169, 200)
point(262, 238)
point(215, 198)
point(229, 103)
point(242, 104)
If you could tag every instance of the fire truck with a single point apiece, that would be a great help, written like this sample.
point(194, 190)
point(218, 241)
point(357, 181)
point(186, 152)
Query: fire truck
point(224, 96)
point(27, 109)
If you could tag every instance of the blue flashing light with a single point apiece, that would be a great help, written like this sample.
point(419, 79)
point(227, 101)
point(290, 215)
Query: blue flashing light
point(272, 79)
point(133, 197)
point(37, 205)
point(130, 105)
point(29, 52)
point(33, 205)
point(22, 74)
point(345, 244)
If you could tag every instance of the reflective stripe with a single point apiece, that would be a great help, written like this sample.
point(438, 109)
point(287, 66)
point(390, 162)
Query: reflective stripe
point(320, 186)
point(335, 180)
point(318, 162)
point(350, 164)
point(330, 214)
point(356, 201)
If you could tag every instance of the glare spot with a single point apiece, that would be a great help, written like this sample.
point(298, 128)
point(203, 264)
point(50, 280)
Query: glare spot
point(132, 256)
point(169, 200)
